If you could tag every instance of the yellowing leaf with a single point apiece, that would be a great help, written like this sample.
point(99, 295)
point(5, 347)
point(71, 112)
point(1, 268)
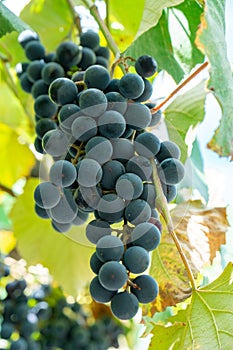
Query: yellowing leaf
point(66, 257)
point(201, 233)
point(16, 159)
point(7, 241)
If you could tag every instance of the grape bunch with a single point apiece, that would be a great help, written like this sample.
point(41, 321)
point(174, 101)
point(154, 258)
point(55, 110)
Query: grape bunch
point(103, 156)
point(41, 318)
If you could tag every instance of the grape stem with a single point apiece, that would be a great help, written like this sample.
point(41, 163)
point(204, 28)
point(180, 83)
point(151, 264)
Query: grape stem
point(179, 87)
point(161, 204)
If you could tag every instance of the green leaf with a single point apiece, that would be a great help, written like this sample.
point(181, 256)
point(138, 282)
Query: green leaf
point(184, 113)
point(122, 13)
point(52, 20)
point(66, 255)
point(16, 159)
point(211, 40)
point(207, 321)
point(152, 13)
point(10, 22)
point(157, 43)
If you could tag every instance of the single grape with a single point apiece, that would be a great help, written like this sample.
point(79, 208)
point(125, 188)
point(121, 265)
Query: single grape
point(90, 39)
point(136, 259)
point(109, 248)
point(41, 212)
point(103, 51)
point(111, 208)
point(149, 194)
point(170, 192)
point(80, 218)
point(66, 116)
point(111, 172)
point(7, 328)
point(95, 263)
point(93, 102)
point(44, 125)
point(113, 86)
point(171, 171)
point(78, 76)
point(131, 85)
point(34, 70)
point(89, 173)
point(44, 107)
point(34, 50)
point(146, 235)
point(88, 58)
point(123, 149)
point(129, 186)
point(84, 128)
point(19, 344)
point(147, 92)
point(124, 305)
point(146, 66)
point(137, 116)
point(113, 275)
point(61, 227)
point(99, 293)
point(148, 289)
point(111, 124)
point(140, 166)
point(39, 88)
point(25, 83)
point(52, 71)
point(168, 149)
point(68, 54)
point(138, 211)
point(116, 102)
point(97, 77)
point(62, 173)
point(55, 142)
point(101, 61)
point(147, 144)
point(97, 229)
point(38, 145)
point(47, 195)
point(155, 117)
point(63, 91)
point(66, 209)
point(91, 195)
point(99, 148)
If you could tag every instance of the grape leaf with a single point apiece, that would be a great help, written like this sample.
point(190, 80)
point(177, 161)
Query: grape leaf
point(211, 40)
point(195, 178)
point(152, 13)
point(201, 233)
point(52, 20)
point(185, 112)
point(157, 43)
point(10, 22)
point(16, 157)
point(66, 256)
point(205, 324)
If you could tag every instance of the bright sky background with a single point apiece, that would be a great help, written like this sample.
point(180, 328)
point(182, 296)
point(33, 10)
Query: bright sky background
point(219, 171)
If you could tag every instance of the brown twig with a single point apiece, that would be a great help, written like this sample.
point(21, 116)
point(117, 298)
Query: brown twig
point(179, 87)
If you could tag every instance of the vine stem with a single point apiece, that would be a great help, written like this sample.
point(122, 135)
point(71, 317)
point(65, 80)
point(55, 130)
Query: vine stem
point(162, 206)
point(103, 27)
point(76, 17)
point(179, 87)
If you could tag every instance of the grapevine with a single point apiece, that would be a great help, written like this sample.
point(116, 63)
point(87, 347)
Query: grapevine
point(106, 161)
